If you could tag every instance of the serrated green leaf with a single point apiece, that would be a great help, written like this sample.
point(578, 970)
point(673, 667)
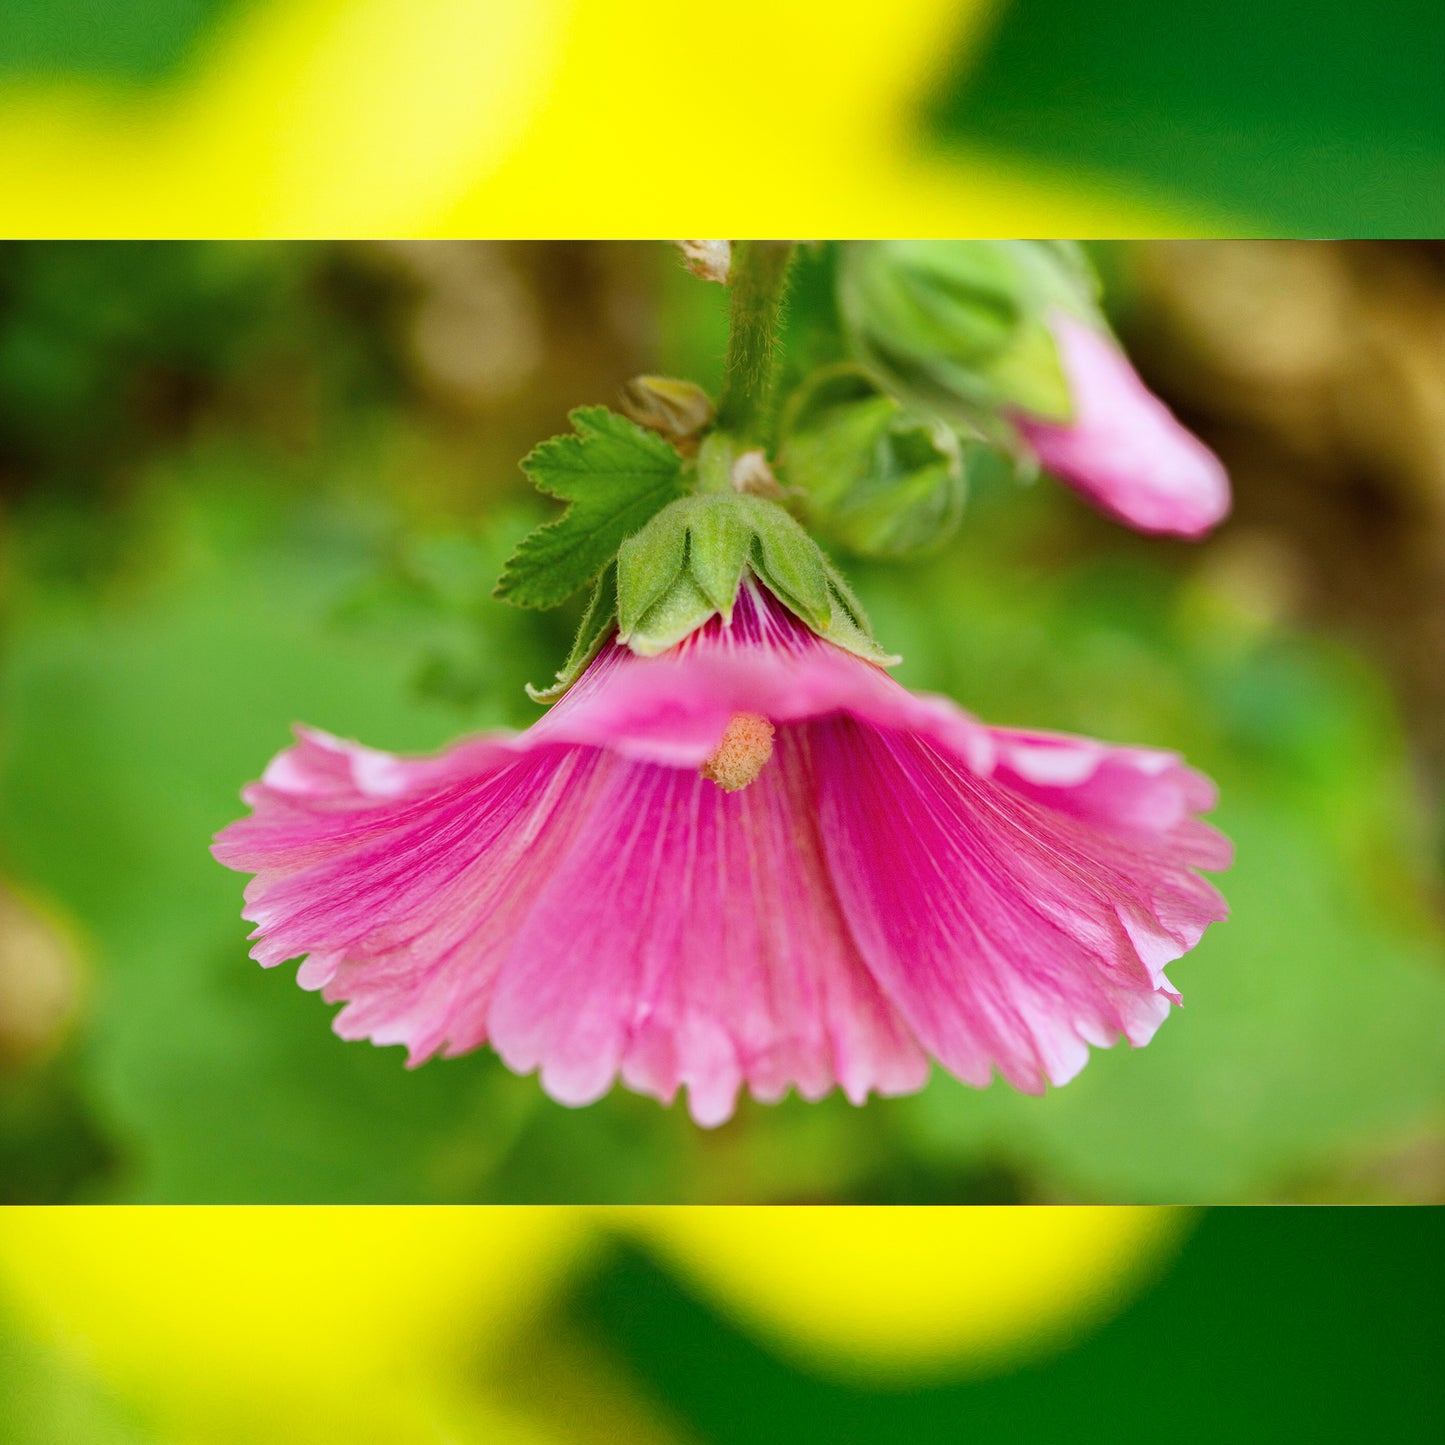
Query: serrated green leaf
point(598, 623)
point(617, 476)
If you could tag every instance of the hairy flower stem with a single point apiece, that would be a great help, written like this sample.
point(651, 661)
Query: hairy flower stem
point(759, 282)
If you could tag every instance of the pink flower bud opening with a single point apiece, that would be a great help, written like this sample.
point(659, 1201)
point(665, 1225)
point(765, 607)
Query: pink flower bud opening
point(1124, 451)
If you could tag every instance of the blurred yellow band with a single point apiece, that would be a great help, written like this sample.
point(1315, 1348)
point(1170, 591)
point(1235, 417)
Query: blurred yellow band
point(558, 117)
point(230, 1319)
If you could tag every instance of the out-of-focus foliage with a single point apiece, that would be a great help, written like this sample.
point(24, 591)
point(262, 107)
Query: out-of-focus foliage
point(1304, 117)
point(140, 39)
point(244, 487)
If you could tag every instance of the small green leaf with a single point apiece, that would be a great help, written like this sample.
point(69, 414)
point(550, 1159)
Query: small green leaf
point(616, 476)
point(688, 563)
point(1031, 375)
point(849, 627)
point(598, 623)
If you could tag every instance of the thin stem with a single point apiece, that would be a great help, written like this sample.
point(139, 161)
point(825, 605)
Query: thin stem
point(759, 281)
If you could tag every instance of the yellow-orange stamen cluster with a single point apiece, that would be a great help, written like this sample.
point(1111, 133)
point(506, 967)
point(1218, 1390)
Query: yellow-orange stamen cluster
point(746, 746)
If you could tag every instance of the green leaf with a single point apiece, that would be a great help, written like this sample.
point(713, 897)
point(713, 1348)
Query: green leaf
point(680, 611)
point(718, 542)
point(617, 476)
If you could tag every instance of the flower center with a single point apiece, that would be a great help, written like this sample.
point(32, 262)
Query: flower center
point(747, 744)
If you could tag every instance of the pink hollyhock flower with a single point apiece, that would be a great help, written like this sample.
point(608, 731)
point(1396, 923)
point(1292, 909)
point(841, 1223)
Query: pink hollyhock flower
point(754, 859)
point(1124, 451)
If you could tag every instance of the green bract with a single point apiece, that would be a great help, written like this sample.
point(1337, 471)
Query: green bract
point(688, 563)
point(875, 477)
point(616, 476)
point(959, 328)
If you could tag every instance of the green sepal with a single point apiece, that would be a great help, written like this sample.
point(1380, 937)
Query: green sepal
point(599, 622)
point(719, 539)
point(958, 328)
point(616, 475)
point(875, 477)
point(688, 563)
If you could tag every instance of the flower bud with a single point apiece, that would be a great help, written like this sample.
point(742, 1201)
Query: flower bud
point(708, 260)
point(875, 477)
point(678, 410)
point(958, 329)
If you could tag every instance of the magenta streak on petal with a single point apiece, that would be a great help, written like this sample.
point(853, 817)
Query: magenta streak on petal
point(1124, 450)
point(900, 881)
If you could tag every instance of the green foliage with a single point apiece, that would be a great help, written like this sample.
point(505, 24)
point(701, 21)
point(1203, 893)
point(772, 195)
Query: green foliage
point(1239, 117)
point(140, 40)
point(616, 475)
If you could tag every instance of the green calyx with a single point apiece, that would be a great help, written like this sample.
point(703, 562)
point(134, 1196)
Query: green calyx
point(688, 565)
point(959, 328)
point(875, 477)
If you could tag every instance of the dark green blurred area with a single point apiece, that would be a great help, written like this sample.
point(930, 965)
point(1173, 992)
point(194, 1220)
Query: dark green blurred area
point(245, 486)
point(1301, 117)
point(137, 40)
point(1270, 1326)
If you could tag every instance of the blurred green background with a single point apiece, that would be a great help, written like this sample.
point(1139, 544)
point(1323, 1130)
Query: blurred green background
point(246, 485)
point(1299, 117)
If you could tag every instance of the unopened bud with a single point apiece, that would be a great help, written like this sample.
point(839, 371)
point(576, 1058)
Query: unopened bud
point(679, 410)
point(874, 477)
point(958, 328)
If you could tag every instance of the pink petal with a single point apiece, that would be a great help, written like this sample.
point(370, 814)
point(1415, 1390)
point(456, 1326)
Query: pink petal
point(899, 881)
point(1124, 450)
